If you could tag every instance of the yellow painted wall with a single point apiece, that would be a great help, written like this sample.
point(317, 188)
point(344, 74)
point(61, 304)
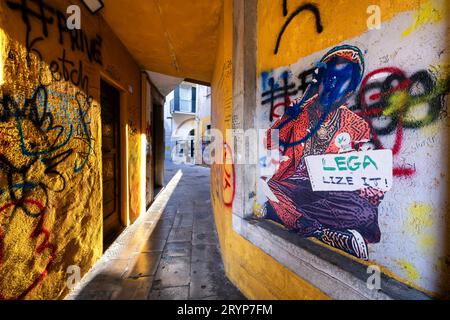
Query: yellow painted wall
point(341, 20)
point(255, 273)
point(50, 147)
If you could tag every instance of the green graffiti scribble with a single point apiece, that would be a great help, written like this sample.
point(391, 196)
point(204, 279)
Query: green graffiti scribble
point(399, 103)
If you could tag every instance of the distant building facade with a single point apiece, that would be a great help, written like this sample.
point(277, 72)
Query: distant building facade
point(187, 119)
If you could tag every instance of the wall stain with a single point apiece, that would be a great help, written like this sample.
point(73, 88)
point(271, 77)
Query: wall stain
point(419, 217)
point(409, 269)
point(427, 13)
point(426, 243)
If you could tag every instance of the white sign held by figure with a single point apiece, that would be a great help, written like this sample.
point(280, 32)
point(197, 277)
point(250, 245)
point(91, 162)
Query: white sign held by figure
point(351, 171)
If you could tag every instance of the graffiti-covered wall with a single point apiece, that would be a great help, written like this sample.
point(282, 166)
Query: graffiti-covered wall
point(361, 116)
point(256, 274)
point(50, 143)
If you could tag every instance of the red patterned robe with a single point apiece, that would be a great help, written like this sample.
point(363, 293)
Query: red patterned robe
point(298, 207)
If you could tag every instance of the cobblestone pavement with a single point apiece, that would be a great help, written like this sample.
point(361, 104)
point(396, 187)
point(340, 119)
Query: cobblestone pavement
point(172, 252)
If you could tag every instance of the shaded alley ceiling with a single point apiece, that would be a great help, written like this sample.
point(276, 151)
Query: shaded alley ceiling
point(173, 37)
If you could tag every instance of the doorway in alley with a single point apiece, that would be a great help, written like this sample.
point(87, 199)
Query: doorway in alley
point(158, 147)
point(110, 116)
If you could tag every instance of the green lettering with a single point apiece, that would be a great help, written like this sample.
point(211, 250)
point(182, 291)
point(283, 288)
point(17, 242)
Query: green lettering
point(356, 164)
point(325, 168)
point(368, 161)
point(340, 162)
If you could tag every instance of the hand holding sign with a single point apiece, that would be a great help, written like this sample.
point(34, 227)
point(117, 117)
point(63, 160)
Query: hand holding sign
point(351, 171)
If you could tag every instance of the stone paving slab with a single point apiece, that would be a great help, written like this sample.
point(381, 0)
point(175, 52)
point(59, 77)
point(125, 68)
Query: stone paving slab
point(205, 238)
point(205, 252)
point(181, 234)
point(173, 272)
point(134, 289)
point(173, 293)
point(153, 245)
point(145, 265)
point(178, 249)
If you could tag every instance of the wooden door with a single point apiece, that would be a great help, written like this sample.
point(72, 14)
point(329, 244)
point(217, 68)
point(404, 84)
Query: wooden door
point(110, 115)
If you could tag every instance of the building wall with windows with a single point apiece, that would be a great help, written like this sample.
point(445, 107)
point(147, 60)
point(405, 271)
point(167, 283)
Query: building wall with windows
point(187, 112)
point(180, 108)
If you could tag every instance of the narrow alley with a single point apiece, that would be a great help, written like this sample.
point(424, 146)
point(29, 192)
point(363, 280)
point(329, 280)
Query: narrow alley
point(171, 253)
point(224, 150)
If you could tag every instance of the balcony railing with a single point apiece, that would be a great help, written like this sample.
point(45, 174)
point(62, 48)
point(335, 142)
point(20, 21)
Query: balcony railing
point(183, 106)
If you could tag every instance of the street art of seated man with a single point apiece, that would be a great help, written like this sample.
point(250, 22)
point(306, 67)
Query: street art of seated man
point(321, 123)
